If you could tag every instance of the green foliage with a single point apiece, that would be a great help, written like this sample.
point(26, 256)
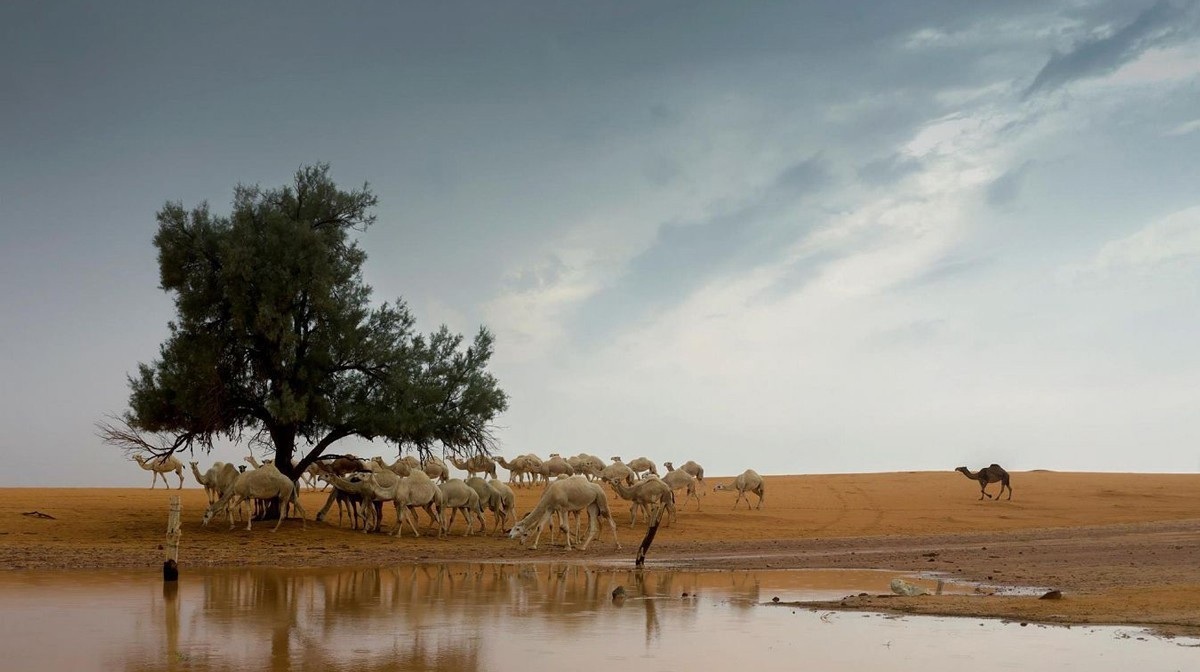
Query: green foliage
point(275, 333)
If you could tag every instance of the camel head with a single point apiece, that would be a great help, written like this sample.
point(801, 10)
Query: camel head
point(668, 466)
point(208, 515)
point(965, 471)
point(520, 532)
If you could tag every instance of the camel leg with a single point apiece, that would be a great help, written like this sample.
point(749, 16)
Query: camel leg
point(180, 475)
point(541, 526)
point(762, 494)
point(328, 505)
point(612, 524)
point(593, 529)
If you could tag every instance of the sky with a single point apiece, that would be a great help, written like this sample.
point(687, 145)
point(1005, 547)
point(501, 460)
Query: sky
point(810, 237)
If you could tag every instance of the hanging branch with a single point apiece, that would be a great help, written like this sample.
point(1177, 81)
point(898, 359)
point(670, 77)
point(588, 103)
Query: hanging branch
point(118, 432)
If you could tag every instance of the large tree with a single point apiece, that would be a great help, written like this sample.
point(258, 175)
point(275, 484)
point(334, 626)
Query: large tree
point(275, 339)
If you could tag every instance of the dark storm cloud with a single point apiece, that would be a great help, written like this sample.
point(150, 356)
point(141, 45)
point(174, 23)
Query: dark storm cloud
point(1160, 24)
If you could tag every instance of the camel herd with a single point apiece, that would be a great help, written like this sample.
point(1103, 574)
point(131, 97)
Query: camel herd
point(572, 486)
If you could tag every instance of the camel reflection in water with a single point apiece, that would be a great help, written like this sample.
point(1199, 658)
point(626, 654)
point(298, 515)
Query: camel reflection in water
point(427, 616)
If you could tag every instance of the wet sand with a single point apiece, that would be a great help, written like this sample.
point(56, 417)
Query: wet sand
point(1123, 548)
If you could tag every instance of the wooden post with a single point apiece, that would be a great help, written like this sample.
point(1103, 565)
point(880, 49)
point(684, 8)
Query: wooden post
point(171, 564)
point(649, 539)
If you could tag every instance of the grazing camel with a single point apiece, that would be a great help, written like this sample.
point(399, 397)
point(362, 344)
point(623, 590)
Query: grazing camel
point(747, 481)
point(642, 464)
point(476, 464)
point(647, 494)
point(161, 466)
point(679, 479)
point(689, 467)
point(992, 473)
point(264, 483)
point(565, 496)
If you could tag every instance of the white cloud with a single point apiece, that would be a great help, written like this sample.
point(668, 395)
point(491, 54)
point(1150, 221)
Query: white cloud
point(1171, 241)
point(1185, 128)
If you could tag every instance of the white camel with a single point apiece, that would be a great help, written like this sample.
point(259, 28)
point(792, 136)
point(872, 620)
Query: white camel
point(679, 479)
point(264, 483)
point(643, 465)
point(618, 470)
point(565, 496)
point(456, 495)
point(648, 495)
point(436, 469)
point(476, 464)
point(690, 467)
point(490, 497)
point(747, 481)
point(161, 466)
point(555, 466)
point(208, 479)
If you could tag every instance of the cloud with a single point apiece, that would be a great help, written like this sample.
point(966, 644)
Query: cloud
point(1185, 128)
point(1171, 241)
point(1158, 25)
point(888, 170)
point(685, 256)
point(1004, 190)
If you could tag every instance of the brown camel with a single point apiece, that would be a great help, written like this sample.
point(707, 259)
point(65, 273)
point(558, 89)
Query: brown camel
point(990, 474)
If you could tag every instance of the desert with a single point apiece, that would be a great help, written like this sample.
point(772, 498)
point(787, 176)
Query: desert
point(1121, 547)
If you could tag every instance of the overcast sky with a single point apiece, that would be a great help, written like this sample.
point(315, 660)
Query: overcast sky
point(798, 237)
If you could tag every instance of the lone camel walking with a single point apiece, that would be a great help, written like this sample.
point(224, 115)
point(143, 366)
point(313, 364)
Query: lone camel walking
point(990, 474)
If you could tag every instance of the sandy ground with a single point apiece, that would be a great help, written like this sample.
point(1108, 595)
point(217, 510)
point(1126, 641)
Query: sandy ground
point(1123, 548)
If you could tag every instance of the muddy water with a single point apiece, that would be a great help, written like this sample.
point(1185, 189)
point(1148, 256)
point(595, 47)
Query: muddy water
point(516, 617)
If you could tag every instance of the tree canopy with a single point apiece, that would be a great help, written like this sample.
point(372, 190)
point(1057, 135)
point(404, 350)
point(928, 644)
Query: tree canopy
point(275, 337)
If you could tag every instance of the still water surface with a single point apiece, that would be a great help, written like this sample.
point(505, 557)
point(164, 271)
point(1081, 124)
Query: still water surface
point(546, 616)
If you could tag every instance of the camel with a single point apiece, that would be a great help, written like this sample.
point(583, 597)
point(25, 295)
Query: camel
point(679, 479)
point(493, 499)
point(555, 466)
point(518, 469)
point(507, 498)
point(618, 470)
point(161, 466)
point(435, 468)
point(401, 467)
point(747, 481)
point(406, 493)
point(456, 494)
point(223, 478)
point(588, 466)
point(476, 464)
point(689, 467)
point(564, 496)
point(642, 464)
point(207, 479)
point(648, 494)
point(266, 482)
point(348, 496)
point(992, 473)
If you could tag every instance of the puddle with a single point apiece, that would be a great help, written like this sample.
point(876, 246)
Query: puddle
point(529, 617)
